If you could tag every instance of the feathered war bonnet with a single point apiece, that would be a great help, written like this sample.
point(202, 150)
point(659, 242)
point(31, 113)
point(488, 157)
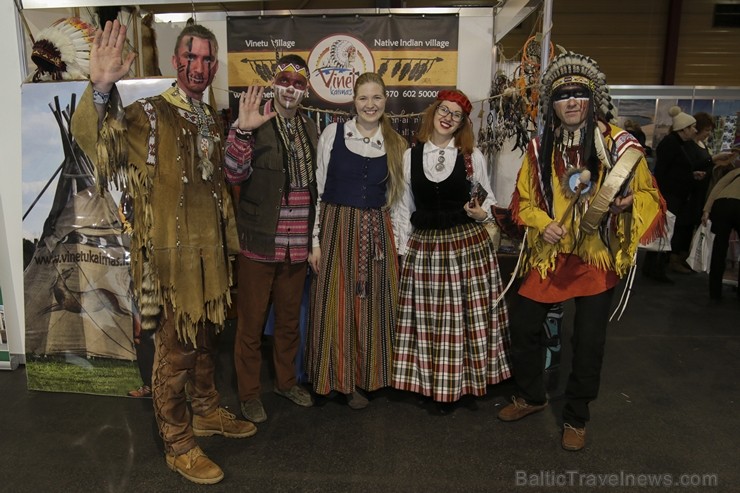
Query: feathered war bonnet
point(62, 51)
point(569, 68)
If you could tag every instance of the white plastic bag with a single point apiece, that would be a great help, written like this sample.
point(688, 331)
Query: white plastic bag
point(701, 248)
point(662, 244)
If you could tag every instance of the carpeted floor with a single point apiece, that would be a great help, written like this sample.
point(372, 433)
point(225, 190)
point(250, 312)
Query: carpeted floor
point(667, 411)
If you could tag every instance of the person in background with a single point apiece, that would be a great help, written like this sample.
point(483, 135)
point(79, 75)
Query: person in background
point(679, 176)
point(677, 179)
point(354, 299)
point(452, 331)
point(564, 261)
point(723, 208)
point(635, 129)
point(167, 150)
point(703, 161)
point(275, 216)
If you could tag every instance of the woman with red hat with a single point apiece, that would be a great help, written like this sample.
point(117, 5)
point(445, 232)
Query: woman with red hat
point(451, 332)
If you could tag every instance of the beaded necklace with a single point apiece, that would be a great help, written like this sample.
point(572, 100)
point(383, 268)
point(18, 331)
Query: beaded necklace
point(206, 141)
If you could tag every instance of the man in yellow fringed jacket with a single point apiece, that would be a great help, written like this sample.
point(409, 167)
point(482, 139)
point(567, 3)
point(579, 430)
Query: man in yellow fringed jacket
point(587, 198)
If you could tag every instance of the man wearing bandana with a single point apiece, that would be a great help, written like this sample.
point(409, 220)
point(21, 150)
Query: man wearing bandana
point(583, 226)
point(167, 150)
point(277, 193)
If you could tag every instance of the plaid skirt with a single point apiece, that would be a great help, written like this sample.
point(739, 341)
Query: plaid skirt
point(451, 339)
point(353, 301)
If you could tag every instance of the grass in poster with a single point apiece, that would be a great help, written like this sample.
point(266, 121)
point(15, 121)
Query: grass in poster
point(85, 375)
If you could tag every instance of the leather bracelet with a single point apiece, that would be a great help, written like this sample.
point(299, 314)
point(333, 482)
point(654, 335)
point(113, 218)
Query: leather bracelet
point(243, 133)
point(100, 97)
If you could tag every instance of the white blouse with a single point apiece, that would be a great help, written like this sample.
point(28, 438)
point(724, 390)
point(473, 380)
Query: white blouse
point(402, 211)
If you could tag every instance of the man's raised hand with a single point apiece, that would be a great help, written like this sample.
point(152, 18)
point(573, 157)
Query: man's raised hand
point(249, 109)
point(106, 63)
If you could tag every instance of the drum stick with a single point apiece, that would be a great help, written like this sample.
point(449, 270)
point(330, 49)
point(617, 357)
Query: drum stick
point(583, 178)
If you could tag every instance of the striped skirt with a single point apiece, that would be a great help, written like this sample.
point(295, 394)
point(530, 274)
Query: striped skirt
point(353, 301)
point(451, 339)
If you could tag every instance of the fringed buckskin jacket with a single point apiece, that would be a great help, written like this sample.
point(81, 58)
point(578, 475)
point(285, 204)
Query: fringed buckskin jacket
point(184, 228)
point(583, 264)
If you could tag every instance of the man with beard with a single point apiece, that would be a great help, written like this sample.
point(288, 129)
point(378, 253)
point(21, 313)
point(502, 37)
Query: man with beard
point(167, 152)
point(275, 218)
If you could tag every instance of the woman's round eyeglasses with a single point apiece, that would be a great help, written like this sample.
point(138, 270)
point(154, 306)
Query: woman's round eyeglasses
point(443, 111)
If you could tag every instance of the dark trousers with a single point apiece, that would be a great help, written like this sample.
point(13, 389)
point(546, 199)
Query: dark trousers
point(654, 264)
point(260, 283)
point(589, 337)
point(725, 216)
point(177, 365)
point(683, 230)
point(145, 356)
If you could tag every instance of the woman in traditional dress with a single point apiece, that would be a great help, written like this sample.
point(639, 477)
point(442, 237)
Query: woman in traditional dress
point(354, 296)
point(451, 335)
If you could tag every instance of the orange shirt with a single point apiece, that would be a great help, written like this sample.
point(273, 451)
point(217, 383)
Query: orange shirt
point(571, 278)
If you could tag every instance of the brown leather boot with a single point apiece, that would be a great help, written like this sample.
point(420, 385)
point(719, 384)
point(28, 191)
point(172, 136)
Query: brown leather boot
point(222, 422)
point(574, 439)
point(519, 409)
point(194, 466)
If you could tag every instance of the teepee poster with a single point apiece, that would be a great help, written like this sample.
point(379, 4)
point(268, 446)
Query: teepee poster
point(78, 304)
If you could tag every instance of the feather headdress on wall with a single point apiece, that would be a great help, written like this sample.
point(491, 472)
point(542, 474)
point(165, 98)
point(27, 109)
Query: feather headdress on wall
point(62, 51)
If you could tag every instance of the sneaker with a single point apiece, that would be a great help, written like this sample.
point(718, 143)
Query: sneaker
point(574, 439)
point(194, 466)
point(222, 422)
point(253, 411)
point(356, 400)
point(143, 391)
point(297, 394)
point(519, 409)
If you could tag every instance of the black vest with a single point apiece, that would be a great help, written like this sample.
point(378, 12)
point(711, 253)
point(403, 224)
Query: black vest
point(439, 205)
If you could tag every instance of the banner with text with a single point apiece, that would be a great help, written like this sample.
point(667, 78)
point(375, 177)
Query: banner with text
point(415, 54)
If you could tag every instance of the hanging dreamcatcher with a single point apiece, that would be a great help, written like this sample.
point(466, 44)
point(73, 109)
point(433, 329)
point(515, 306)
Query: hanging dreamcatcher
point(512, 117)
point(528, 73)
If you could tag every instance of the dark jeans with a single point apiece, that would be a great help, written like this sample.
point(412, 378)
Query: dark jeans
point(589, 337)
point(725, 216)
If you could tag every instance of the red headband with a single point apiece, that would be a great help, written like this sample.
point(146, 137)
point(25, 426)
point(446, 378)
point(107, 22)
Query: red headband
point(456, 97)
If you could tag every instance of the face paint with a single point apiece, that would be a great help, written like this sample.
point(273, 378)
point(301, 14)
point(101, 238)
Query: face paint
point(291, 79)
point(290, 88)
point(571, 105)
point(196, 66)
point(566, 93)
point(288, 98)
